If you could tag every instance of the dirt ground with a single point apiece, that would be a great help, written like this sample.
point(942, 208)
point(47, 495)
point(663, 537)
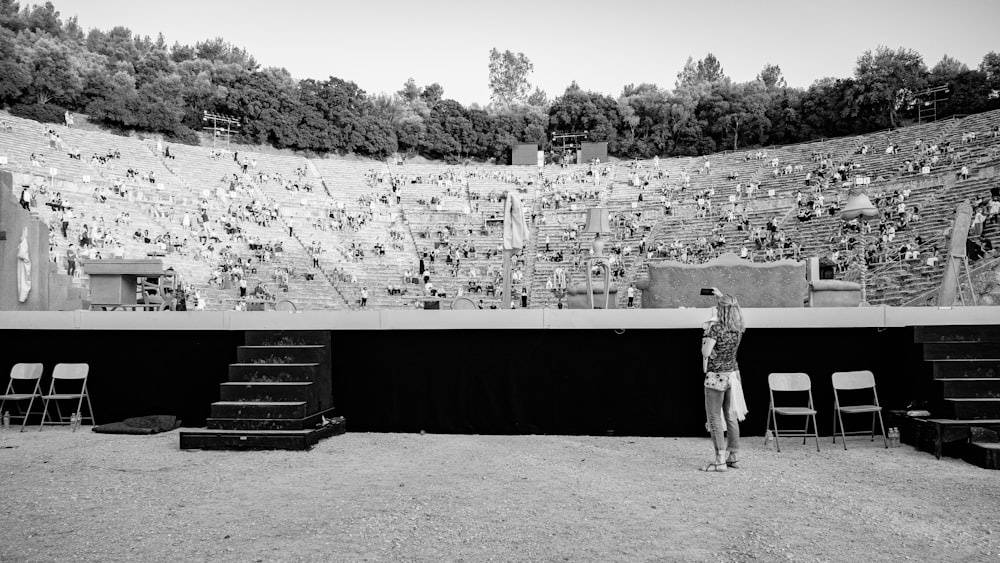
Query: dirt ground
point(409, 497)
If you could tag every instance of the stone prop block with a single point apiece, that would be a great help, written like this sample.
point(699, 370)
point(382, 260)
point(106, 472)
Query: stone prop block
point(834, 293)
point(577, 297)
point(773, 284)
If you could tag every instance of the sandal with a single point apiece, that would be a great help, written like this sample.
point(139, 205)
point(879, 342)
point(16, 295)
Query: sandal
point(733, 463)
point(715, 468)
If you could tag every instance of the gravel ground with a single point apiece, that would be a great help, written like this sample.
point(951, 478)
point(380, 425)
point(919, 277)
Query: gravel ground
point(375, 497)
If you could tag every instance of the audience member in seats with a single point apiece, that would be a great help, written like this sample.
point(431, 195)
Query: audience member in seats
point(26, 198)
point(974, 249)
point(986, 244)
point(71, 260)
point(720, 345)
point(199, 301)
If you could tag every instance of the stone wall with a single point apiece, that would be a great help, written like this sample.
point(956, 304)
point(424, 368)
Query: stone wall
point(987, 286)
point(50, 290)
point(773, 284)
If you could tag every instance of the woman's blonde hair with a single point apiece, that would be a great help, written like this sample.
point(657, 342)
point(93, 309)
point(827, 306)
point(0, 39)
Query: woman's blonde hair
point(730, 314)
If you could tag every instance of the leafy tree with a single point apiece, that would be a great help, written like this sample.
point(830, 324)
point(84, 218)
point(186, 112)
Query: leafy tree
point(410, 91)
point(784, 113)
point(117, 45)
point(14, 74)
point(181, 53)
point(73, 32)
point(646, 109)
point(220, 50)
point(45, 113)
point(990, 66)
point(705, 70)
point(509, 77)
point(538, 98)
point(739, 109)
point(130, 82)
point(260, 100)
point(880, 76)
point(53, 69)
point(44, 18)
point(947, 68)
point(10, 15)
point(688, 74)
point(432, 94)
point(828, 109)
point(771, 77)
point(969, 93)
point(577, 110)
point(710, 69)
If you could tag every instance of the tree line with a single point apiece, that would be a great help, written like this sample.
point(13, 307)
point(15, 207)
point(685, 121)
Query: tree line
point(131, 83)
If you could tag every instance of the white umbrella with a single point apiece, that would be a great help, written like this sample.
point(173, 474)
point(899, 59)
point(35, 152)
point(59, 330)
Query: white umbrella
point(23, 267)
point(515, 234)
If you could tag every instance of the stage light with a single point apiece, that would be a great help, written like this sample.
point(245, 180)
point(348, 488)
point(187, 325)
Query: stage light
point(858, 206)
point(597, 223)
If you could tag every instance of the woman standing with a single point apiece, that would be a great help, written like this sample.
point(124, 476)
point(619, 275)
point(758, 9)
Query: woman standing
point(719, 346)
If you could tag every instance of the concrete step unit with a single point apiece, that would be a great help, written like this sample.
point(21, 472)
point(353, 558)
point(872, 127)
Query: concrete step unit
point(279, 396)
point(966, 410)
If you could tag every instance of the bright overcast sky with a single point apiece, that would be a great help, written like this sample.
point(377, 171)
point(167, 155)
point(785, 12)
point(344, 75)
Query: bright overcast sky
point(602, 45)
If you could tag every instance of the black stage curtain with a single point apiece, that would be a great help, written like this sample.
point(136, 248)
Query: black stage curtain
point(599, 382)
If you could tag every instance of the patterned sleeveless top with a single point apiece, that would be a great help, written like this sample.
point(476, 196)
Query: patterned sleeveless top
point(727, 343)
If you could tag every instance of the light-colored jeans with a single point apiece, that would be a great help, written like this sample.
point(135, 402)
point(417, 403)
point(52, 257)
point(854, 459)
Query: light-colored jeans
point(717, 402)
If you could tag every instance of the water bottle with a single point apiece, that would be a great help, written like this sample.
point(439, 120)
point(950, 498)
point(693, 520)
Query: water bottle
point(74, 421)
point(6, 420)
point(769, 440)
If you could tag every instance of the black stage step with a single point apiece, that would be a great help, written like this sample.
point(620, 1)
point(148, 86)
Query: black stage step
point(271, 391)
point(944, 369)
point(310, 421)
point(286, 337)
point(985, 455)
point(258, 409)
point(962, 351)
point(970, 388)
point(972, 409)
point(948, 437)
point(957, 333)
point(221, 439)
point(273, 372)
point(311, 353)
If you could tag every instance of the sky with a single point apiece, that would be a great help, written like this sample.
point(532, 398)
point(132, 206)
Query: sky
point(603, 46)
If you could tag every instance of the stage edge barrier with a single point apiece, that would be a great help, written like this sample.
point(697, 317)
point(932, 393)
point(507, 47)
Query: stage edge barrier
point(521, 319)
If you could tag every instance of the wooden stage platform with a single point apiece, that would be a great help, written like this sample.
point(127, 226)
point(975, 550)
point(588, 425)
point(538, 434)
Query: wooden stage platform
point(526, 371)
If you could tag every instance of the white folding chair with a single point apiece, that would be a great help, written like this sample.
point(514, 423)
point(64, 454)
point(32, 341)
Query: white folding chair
point(23, 374)
point(69, 372)
point(853, 381)
point(791, 382)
